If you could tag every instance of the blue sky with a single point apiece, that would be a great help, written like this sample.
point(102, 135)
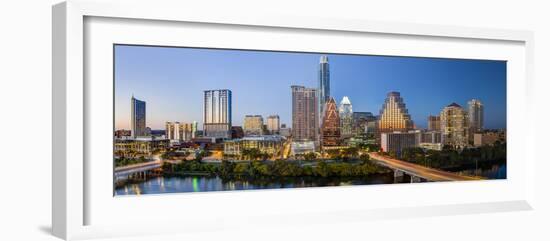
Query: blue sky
point(171, 81)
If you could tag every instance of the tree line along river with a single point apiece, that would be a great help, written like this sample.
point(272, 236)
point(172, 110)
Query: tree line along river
point(179, 183)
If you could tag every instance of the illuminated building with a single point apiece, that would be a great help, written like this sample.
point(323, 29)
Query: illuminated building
point(217, 113)
point(330, 130)
point(137, 119)
point(431, 140)
point(434, 123)
point(489, 138)
point(395, 142)
point(140, 145)
point(253, 125)
point(394, 116)
point(273, 124)
point(271, 144)
point(301, 147)
point(194, 129)
point(346, 117)
point(176, 131)
point(285, 131)
point(305, 124)
point(475, 115)
point(122, 133)
point(454, 126)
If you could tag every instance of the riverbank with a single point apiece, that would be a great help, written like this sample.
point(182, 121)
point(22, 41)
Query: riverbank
point(279, 168)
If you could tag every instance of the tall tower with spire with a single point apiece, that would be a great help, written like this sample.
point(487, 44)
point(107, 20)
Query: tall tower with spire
point(324, 84)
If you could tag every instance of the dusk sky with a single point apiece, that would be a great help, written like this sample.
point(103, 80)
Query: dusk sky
point(171, 81)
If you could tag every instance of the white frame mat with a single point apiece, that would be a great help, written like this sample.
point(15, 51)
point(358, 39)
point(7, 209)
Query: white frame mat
point(82, 209)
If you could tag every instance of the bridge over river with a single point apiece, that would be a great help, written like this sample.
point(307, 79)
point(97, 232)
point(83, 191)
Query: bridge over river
point(140, 169)
point(418, 172)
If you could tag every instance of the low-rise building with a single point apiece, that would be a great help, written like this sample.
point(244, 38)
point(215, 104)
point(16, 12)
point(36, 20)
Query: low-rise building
point(301, 147)
point(237, 132)
point(141, 145)
point(431, 140)
point(396, 142)
point(179, 132)
point(120, 133)
point(270, 144)
point(489, 138)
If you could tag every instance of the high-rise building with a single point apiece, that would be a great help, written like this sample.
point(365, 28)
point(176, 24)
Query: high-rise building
point(217, 113)
point(137, 119)
point(253, 125)
point(475, 113)
point(330, 130)
point(434, 123)
point(305, 123)
point(346, 117)
point(454, 126)
point(394, 115)
point(324, 84)
point(176, 131)
point(273, 124)
point(195, 128)
point(360, 122)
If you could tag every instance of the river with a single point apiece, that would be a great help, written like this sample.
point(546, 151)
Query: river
point(179, 184)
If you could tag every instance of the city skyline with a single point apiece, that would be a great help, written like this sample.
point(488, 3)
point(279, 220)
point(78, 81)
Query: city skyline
point(179, 75)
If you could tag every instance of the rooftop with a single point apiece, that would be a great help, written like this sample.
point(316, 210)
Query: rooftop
point(454, 105)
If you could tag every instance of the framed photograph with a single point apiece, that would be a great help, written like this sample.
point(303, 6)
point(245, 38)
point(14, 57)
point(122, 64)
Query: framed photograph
point(177, 121)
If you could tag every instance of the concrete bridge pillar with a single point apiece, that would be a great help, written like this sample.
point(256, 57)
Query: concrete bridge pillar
point(398, 176)
point(415, 179)
point(397, 173)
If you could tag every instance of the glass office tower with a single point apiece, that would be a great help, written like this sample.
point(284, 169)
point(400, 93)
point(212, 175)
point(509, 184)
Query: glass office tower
point(137, 119)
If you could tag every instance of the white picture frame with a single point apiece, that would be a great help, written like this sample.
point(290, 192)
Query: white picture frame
point(73, 192)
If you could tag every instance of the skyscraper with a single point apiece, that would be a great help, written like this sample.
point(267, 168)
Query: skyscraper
point(434, 123)
point(217, 113)
point(253, 125)
point(273, 124)
point(475, 112)
point(330, 130)
point(346, 117)
point(454, 126)
point(324, 84)
point(361, 122)
point(137, 119)
point(194, 129)
point(305, 113)
point(394, 115)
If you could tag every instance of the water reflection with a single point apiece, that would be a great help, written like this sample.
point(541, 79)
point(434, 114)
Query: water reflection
point(177, 184)
point(492, 172)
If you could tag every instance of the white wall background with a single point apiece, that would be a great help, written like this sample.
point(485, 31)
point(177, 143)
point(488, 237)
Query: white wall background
point(25, 122)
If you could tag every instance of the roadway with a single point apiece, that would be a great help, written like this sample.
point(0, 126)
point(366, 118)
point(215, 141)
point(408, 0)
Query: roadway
point(135, 168)
point(412, 169)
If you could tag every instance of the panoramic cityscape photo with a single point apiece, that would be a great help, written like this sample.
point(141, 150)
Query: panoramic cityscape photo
point(202, 119)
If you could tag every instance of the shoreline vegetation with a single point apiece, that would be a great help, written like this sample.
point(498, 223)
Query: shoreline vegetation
point(450, 159)
point(348, 164)
point(360, 167)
